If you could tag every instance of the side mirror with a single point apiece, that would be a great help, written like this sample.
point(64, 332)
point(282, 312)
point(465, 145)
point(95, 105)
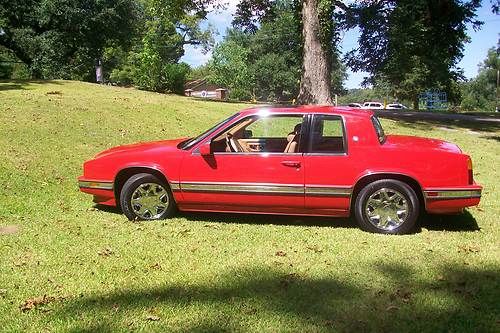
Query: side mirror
point(205, 149)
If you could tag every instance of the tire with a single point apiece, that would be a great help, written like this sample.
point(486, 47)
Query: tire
point(145, 197)
point(394, 203)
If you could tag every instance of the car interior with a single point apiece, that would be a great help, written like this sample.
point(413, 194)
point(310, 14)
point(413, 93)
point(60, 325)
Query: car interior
point(280, 134)
point(327, 135)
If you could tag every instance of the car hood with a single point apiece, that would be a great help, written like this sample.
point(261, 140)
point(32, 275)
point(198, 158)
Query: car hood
point(418, 143)
point(141, 147)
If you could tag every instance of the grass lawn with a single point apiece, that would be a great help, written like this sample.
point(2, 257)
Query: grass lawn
point(68, 266)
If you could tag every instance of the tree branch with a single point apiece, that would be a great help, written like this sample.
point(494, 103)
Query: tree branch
point(7, 42)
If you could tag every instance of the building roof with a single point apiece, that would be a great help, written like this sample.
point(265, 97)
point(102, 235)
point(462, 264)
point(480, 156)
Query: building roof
point(200, 85)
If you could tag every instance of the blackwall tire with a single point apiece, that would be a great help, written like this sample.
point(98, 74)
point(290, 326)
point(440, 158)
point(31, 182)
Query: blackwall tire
point(144, 197)
point(388, 207)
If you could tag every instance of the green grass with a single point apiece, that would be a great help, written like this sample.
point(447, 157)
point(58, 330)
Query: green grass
point(214, 272)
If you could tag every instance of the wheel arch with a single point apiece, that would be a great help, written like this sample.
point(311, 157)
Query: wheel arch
point(370, 178)
point(124, 174)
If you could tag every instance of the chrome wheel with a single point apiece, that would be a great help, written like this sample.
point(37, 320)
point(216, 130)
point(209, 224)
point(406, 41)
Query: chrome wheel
point(386, 209)
point(149, 201)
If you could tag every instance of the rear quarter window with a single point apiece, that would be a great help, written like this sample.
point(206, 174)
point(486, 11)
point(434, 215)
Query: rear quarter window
point(378, 129)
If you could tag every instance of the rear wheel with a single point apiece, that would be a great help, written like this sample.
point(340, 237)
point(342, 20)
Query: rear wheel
point(145, 197)
point(388, 207)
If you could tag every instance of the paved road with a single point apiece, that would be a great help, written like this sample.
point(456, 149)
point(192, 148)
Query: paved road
point(489, 119)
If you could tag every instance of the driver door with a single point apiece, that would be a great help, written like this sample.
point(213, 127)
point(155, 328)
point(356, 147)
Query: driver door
point(259, 177)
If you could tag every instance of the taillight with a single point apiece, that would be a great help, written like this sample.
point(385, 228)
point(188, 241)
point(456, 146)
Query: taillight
point(469, 170)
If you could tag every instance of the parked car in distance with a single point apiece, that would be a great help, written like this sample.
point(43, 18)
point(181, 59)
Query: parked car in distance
point(316, 161)
point(355, 105)
point(395, 106)
point(373, 105)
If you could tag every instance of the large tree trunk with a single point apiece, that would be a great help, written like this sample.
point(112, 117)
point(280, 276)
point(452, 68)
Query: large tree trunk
point(315, 80)
point(415, 102)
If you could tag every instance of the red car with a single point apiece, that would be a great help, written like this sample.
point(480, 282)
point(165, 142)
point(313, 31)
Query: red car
point(317, 161)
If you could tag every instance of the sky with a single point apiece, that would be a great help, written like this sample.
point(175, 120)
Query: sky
point(474, 53)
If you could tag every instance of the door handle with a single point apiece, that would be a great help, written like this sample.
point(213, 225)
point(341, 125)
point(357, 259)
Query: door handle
point(292, 164)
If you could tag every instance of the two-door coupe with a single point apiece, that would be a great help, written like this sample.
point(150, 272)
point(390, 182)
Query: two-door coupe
point(317, 161)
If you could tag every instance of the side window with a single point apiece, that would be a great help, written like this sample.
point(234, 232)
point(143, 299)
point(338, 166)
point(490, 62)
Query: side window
point(378, 129)
point(261, 134)
point(273, 127)
point(327, 135)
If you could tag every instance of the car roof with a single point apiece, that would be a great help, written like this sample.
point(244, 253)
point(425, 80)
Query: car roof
point(311, 109)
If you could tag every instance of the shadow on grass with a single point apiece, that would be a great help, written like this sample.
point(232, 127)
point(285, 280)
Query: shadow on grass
point(457, 299)
point(492, 137)
point(22, 84)
point(258, 219)
point(108, 209)
point(10, 86)
point(284, 220)
point(461, 222)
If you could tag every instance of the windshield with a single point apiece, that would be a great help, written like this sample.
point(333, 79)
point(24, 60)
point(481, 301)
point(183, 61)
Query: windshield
point(191, 142)
point(378, 129)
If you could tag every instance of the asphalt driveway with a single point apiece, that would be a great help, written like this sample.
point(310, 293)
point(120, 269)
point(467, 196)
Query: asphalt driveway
point(489, 122)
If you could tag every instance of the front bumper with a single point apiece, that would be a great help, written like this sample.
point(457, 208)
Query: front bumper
point(95, 184)
point(102, 190)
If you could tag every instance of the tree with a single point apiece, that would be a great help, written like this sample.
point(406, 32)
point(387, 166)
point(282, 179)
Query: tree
point(481, 93)
point(252, 13)
point(166, 27)
point(230, 68)
point(140, 41)
point(414, 45)
point(272, 60)
point(275, 55)
point(312, 55)
point(62, 39)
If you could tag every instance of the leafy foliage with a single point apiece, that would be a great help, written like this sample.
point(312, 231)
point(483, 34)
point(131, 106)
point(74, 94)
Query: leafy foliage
point(139, 41)
point(63, 39)
point(167, 26)
point(413, 44)
point(251, 13)
point(230, 68)
point(481, 93)
point(260, 57)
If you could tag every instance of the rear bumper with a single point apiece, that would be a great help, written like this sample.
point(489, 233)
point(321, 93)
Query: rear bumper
point(102, 190)
point(451, 200)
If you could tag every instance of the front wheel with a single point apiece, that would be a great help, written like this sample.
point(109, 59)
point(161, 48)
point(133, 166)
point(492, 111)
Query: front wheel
point(145, 197)
point(387, 206)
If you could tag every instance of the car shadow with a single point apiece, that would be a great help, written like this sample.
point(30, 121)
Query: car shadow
point(460, 223)
point(108, 209)
point(255, 219)
point(264, 219)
